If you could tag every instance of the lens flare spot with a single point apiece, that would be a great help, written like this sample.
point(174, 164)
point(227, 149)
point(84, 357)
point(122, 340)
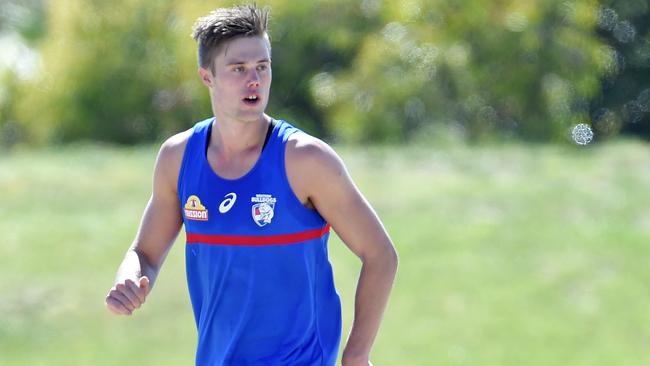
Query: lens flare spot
point(582, 134)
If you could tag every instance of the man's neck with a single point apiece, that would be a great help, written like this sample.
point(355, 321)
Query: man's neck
point(231, 137)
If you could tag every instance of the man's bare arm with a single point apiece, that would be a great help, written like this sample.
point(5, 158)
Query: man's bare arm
point(317, 173)
point(158, 230)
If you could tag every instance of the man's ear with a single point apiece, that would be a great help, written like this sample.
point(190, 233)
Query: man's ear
point(206, 76)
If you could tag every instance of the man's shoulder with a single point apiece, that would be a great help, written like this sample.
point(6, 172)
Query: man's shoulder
point(170, 158)
point(174, 146)
point(307, 152)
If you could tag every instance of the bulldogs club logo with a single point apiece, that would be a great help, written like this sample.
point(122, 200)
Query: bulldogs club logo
point(262, 210)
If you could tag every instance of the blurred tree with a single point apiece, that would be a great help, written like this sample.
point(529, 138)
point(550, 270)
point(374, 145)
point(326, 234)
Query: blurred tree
point(364, 70)
point(22, 24)
point(307, 38)
point(478, 68)
point(126, 71)
point(624, 103)
point(108, 73)
point(10, 133)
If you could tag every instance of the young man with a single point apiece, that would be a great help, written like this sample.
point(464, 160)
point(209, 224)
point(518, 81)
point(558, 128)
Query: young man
point(257, 198)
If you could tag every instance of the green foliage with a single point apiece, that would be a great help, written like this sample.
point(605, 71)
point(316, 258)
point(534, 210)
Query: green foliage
point(307, 37)
point(366, 70)
point(625, 102)
point(507, 67)
point(310, 38)
point(126, 71)
point(108, 73)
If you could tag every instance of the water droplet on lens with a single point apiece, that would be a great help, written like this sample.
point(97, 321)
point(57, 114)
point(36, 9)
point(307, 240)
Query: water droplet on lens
point(458, 54)
point(644, 100)
point(624, 32)
point(323, 89)
point(611, 60)
point(165, 100)
point(410, 52)
point(582, 134)
point(607, 18)
point(516, 22)
point(426, 66)
point(370, 8)
point(394, 32)
point(410, 9)
point(632, 112)
point(363, 102)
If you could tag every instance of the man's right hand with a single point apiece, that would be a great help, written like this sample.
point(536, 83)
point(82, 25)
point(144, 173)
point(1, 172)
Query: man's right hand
point(127, 295)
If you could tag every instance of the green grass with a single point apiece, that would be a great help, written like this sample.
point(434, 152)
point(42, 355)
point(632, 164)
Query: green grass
point(511, 255)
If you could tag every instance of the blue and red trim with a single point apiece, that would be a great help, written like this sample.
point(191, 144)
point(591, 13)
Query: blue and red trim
point(257, 240)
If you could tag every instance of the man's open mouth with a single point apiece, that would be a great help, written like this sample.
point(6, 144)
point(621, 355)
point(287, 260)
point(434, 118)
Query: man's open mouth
point(251, 99)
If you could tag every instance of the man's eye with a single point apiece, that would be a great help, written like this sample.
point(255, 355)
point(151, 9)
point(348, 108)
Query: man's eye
point(262, 67)
point(238, 69)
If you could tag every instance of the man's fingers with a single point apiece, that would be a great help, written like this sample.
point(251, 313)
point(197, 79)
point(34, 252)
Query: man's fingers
point(116, 306)
point(118, 295)
point(128, 295)
point(139, 292)
point(144, 284)
point(132, 298)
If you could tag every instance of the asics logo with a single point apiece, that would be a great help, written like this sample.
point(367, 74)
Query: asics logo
point(228, 202)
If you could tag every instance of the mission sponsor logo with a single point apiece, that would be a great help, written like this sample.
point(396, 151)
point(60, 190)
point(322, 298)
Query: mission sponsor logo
point(194, 210)
point(262, 209)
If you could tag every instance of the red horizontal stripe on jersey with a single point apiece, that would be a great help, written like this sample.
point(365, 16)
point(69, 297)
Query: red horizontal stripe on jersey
point(280, 239)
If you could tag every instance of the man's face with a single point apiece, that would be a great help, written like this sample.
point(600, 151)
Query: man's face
point(241, 81)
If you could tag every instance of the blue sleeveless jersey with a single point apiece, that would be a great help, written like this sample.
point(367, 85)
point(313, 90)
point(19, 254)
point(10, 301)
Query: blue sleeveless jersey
point(258, 273)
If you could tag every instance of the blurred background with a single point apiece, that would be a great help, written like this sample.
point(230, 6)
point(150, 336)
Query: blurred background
point(503, 143)
point(354, 71)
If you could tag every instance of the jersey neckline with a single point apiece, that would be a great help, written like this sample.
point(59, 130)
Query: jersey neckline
point(204, 156)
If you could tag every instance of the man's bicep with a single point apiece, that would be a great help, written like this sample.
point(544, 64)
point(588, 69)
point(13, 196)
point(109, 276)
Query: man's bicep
point(342, 205)
point(161, 220)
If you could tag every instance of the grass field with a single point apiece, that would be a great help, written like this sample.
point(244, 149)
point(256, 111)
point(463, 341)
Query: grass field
point(511, 255)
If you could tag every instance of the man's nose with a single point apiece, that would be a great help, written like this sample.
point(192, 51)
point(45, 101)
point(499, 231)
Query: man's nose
point(254, 79)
